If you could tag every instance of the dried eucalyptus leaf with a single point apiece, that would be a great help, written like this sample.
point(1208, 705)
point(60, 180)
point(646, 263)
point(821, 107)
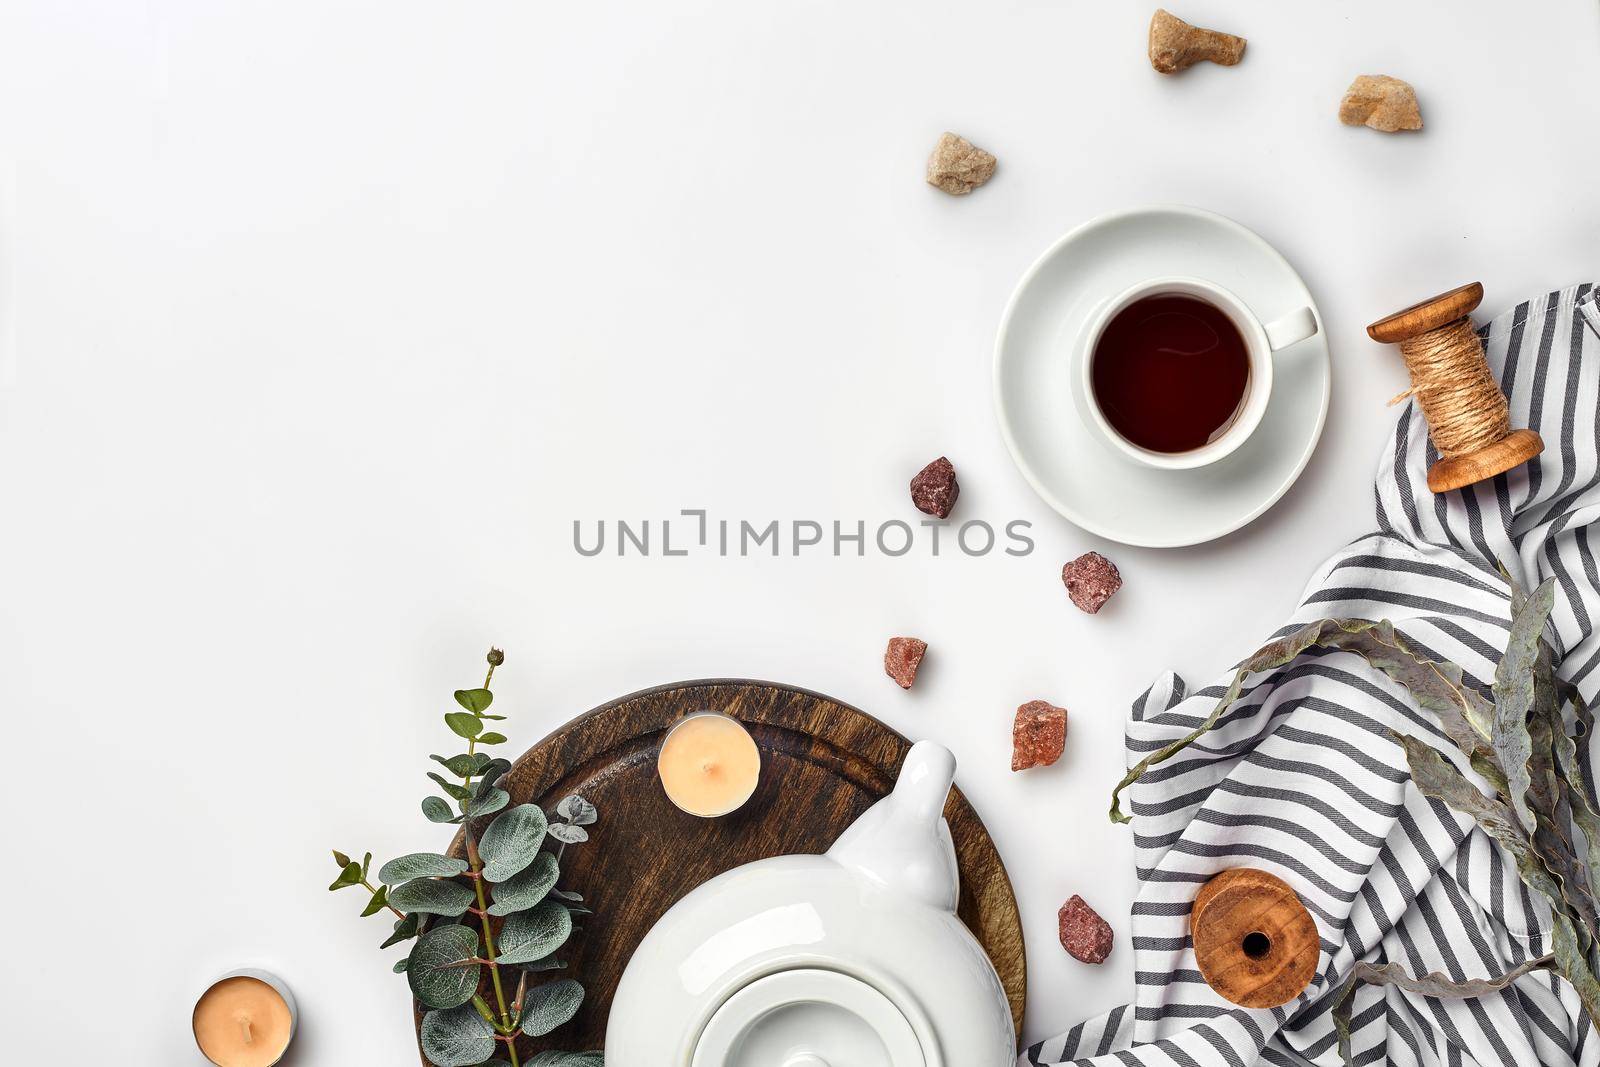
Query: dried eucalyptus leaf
point(457, 1038)
point(437, 810)
point(439, 975)
point(512, 841)
point(548, 1006)
point(528, 887)
point(405, 928)
point(1571, 765)
point(453, 789)
point(351, 875)
point(1573, 965)
point(567, 833)
point(1431, 985)
point(575, 809)
point(539, 931)
point(487, 802)
point(474, 700)
point(340, 858)
point(1464, 715)
point(420, 865)
point(1437, 777)
point(566, 1059)
point(431, 896)
point(492, 770)
point(1514, 693)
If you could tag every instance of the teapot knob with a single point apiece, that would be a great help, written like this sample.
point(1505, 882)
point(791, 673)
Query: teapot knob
point(925, 779)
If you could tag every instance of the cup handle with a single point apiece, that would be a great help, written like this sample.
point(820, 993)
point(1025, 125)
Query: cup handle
point(1290, 329)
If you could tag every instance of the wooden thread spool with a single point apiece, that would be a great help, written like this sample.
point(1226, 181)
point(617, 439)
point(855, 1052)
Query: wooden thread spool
point(1254, 942)
point(1467, 414)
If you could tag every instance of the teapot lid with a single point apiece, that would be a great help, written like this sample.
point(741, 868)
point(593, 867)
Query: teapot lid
point(808, 1017)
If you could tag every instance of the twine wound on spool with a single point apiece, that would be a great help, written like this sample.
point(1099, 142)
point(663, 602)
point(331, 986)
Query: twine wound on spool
point(1468, 418)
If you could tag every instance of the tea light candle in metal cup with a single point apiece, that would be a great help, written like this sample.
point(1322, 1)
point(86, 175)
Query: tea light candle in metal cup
point(709, 764)
point(245, 1019)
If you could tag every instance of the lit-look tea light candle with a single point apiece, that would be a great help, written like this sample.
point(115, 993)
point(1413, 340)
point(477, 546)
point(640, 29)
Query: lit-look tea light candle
point(246, 1019)
point(709, 764)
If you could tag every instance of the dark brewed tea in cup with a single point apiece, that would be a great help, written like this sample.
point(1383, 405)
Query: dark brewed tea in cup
point(1170, 372)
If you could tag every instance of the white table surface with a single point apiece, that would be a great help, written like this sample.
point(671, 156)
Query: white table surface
point(321, 323)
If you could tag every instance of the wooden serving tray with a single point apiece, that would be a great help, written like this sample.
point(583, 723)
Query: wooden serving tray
point(823, 764)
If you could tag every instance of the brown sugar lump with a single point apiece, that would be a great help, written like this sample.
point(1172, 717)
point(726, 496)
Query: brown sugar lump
point(1175, 45)
point(1038, 735)
point(1091, 579)
point(958, 166)
point(1084, 935)
point(1382, 103)
point(902, 659)
point(934, 489)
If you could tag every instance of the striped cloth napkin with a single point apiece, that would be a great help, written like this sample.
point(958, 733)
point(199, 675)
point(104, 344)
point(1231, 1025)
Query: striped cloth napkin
point(1301, 777)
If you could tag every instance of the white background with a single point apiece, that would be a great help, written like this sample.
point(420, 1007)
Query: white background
point(321, 322)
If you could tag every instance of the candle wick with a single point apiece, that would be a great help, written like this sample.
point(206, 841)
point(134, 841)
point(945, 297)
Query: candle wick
point(244, 1024)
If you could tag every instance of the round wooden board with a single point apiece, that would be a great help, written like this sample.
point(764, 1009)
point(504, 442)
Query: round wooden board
point(823, 764)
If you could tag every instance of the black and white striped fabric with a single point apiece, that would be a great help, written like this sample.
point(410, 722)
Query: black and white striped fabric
point(1302, 779)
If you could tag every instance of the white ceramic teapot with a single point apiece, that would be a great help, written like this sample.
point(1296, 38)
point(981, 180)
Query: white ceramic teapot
point(850, 959)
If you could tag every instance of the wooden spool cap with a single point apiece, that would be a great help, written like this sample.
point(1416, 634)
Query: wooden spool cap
point(1453, 472)
point(1254, 941)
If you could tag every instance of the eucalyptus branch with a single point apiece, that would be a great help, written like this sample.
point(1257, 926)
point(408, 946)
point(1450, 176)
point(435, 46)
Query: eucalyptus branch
point(506, 882)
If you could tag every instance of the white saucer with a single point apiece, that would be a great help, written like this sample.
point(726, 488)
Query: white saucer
point(1058, 450)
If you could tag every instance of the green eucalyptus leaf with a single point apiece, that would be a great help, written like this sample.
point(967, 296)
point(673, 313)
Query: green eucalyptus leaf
point(491, 738)
point(548, 1006)
point(568, 895)
point(463, 724)
point(380, 899)
point(453, 789)
point(405, 928)
point(420, 865)
point(351, 875)
point(437, 810)
point(431, 896)
point(512, 841)
point(459, 1037)
point(487, 802)
point(462, 764)
point(539, 931)
point(341, 859)
point(437, 975)
point(474, 700)
point(575, 909)
point(568, 833)
point(401, 965)
point(366, 865)
point(496, 718)
point(543, 963)
point(492, 770)
point(577, 810)
point(483, 1009)
point(527, 888)
point(566, 1059)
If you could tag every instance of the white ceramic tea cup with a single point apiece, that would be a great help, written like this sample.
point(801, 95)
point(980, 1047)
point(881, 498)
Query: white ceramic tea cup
point(1261, 341)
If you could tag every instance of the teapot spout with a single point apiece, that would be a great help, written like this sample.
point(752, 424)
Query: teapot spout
point(902, 842)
